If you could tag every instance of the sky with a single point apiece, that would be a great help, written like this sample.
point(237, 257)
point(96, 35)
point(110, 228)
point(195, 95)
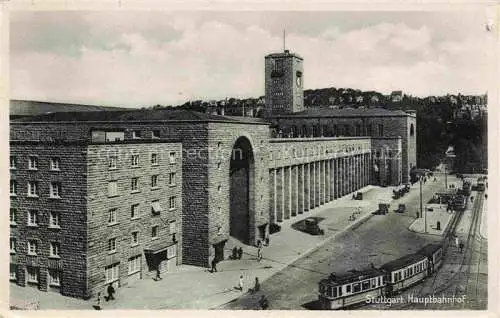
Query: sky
point(144, 58)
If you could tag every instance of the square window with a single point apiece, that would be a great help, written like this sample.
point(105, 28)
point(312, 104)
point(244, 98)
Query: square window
point(112, 216)
point(172, 157)
point(33, 163)
point(54, 219)
point(154, 181)
point(154, 159)
point(54, 277)
point(55, 249)
point(136, 134)
point(156, 207)
point(32, 218)
point(134, 185)
point(171, 178)
point(32, 274)
point(13, 162)
point(13, 187)
point(112, 272)
point(112, 245)
point(135, 160)
point(32, 188)
point(112, 188)
point(171, 203)
point(13, 216)
point(112, 162)
point(13, 243)
point(154, 232)
point(135, 238)
point(155, 134)
point(55, 190)
point(32, 247)
point(55, 163)
point(134, 211)
point(172, 227)
point(134, 264)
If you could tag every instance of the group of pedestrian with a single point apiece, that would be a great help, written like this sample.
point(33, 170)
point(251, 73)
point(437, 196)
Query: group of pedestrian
point(459, 244)
point(111, 296)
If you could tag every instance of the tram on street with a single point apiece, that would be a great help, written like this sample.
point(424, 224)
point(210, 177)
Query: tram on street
point(355, 287)
point(434, 253)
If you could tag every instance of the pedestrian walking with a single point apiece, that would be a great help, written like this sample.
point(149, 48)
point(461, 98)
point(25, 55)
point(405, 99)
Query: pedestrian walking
point(259, 253)
point(240, 253)
point(235, 253)
point(457, 241)
point(158, 273)
point(111, 292)
point(461, 247)
point(263, 302)
point(214, 265)
point(240, 283)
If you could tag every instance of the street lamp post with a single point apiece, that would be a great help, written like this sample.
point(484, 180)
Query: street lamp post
point(421, 207)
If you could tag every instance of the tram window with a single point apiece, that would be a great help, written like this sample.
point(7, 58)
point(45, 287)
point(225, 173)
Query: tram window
point(340, 291)
point(366, 285)
point(374, 283)
point(334, 291)
point(356, 287)
point(411, 271)
point(348, 288)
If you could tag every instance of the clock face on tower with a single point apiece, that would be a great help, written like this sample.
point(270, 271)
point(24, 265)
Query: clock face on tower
point(299, 81)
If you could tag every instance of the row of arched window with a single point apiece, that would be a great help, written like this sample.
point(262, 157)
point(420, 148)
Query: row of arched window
point(347, 130)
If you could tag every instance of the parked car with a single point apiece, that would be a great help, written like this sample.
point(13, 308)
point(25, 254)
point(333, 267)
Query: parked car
point(401, 208)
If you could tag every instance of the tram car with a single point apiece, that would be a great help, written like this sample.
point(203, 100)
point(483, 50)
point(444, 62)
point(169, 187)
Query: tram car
point(404, 272)
point(349, 289)
point(434, 254)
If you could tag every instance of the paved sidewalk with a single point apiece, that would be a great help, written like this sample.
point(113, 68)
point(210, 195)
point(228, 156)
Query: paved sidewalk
point(191, 287)
point(438, 214)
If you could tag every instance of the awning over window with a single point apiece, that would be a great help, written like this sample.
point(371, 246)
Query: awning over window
point(156, 207)
point(158, 248)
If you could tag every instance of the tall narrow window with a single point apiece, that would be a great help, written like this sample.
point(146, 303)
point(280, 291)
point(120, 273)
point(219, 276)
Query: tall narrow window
point(13, 162)
point(172, 203)
point(112, 162)
point(13, 187)
point(55, 249)
point(54, 219)
point(112, 188)
point(154, 232)
point(54, 277)
point(32, 247)
point(13, 245)
point(55, 163)
point(32, 218)
point(112, 245)
point(134, 211)
point(33, 163)
point(154, 159)
point(32, 188)
point(13, 216)
point(154, 181)
point(171, 178)
point(112, 216)
point(55, 190)
point(134, 184)
point(32, 274)
point(172, 157)
point(380, 129)
point(135, 160)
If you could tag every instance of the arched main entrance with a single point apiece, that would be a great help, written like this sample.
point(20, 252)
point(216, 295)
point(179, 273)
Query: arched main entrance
point(241, 201)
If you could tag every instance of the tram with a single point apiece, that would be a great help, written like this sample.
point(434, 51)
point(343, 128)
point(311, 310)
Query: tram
point(405, 272)
point(434, 254)
point(341, 291)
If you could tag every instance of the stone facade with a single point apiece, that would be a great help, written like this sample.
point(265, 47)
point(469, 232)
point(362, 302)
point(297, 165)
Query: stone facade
point(77, 219)
point(284, 76)
point(147, 187)
point(384, 127)
point(68, 265)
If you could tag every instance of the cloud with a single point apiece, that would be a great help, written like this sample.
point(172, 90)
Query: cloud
point(145, 59)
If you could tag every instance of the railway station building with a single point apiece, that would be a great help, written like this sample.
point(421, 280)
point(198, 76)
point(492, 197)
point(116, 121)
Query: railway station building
point(115, 196)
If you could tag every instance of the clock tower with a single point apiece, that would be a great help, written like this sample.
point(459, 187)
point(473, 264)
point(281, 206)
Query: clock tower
point(284, 80)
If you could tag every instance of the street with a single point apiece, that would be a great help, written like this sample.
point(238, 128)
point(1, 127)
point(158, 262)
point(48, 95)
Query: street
point(381, 239)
